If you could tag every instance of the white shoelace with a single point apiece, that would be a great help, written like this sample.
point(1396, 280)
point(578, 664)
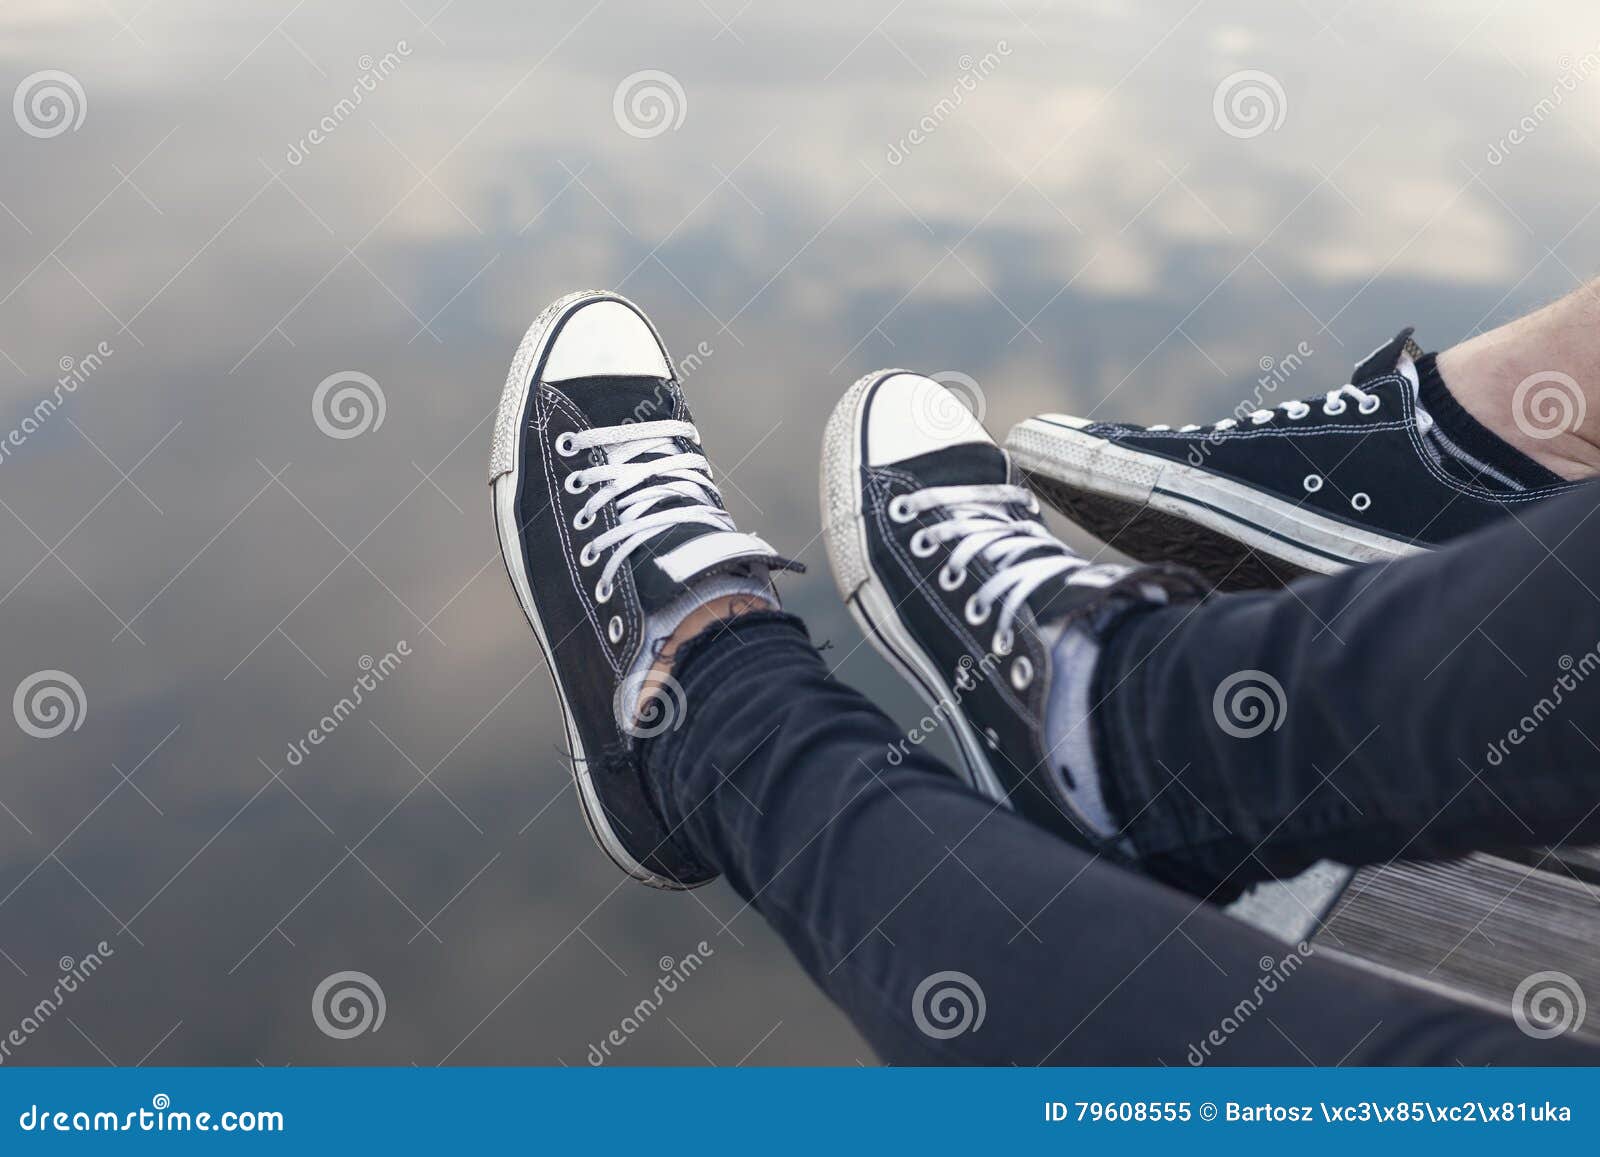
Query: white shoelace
point(1333, 404)
point(978, 518)
point(674, 475)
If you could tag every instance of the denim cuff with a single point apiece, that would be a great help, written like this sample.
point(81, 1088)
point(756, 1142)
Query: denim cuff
point(1112, 729)
point(1173, 838)
point(707, 668)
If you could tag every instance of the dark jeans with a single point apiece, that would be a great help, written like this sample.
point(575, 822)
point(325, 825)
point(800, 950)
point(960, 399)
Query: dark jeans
point(900, 890)
point(1444, 704)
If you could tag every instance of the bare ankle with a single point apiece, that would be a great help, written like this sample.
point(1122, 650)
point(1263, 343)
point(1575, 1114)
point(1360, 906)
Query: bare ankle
point(1535, 383)
point(718, 610)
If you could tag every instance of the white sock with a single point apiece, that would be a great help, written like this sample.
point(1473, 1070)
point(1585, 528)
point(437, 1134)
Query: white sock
point(658, 627)
point(1066, 728)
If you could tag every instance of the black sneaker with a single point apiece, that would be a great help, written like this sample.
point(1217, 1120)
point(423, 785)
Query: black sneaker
point(938, 550)
point(605, 509)
point(1358, 475)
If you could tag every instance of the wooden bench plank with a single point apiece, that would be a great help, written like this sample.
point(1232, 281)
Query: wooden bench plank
point(1476, 928)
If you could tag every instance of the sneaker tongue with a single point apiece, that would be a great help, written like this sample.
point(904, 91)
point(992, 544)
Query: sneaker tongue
point(1055, 601)
point(1104, 587)
point(663, 567)
point(1387, 358)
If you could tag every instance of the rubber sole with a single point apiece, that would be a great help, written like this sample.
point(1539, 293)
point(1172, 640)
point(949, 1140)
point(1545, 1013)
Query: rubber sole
point(1151, 535)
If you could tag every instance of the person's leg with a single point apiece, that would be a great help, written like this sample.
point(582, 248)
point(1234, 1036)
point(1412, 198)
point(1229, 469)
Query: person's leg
point(1438, 705)
point(953, 931)
point(1413, 451)
point(1535, 383)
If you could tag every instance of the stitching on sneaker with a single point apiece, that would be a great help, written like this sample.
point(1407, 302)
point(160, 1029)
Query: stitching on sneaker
point(958, 624)
point(551, 398)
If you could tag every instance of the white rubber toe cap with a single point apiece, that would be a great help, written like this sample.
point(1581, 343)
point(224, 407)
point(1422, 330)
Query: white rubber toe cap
point(606, 337)
point(914, 415)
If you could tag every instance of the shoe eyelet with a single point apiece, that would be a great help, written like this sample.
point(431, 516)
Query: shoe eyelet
point(614, 629)
point(564, 445)
point(1021, 673)
point(583, 520)
point(922, 545)
point(1312, 483)
point(1261, 420)
point(1372, 409)
point(1295, 414)
point(603, 592)
point(977, 613)
point(950, 580)
point(576, 483)
point(900, 509)
point(588, 556)
point(1360, 500)
point(1002, 642)
point(1328, 408)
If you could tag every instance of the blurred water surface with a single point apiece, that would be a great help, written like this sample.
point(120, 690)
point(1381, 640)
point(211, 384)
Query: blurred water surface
point(1126, 211)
